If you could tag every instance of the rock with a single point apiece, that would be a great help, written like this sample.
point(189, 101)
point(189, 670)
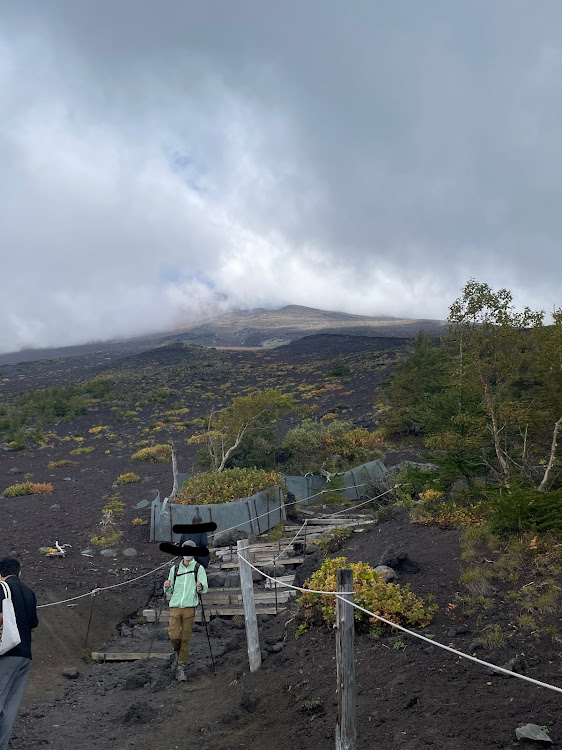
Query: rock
point(400, 562)
point(71, 673)
point(232, 580)
point(142, 504)
point(87, 552)
point(56, 506)
point(109, 553)
point(16, 470)
point(67, 479)
point(130, 552)
point(475, 646)
point(227, 538)
point(273, 571)
point(220, 628)
point(513, 665)
point(386, 573)
point(126, 632)
point(275, 648)
point(256, 576)
point(534, 733)
point(249, 702)
point(216, 580)
point(162, 635)
point(311, 548)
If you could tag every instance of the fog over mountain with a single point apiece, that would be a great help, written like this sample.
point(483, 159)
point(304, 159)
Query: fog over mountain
point(169, 163)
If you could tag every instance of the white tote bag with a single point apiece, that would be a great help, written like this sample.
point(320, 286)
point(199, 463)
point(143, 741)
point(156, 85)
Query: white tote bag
point(10, 633)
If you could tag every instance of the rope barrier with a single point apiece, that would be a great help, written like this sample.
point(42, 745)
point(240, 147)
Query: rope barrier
point(342, 594)
point(155, 570)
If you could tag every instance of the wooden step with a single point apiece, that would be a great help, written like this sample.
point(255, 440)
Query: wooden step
point(125, 656)
point(210, 611)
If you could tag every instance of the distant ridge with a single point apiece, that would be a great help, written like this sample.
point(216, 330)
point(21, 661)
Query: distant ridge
point(256, 327)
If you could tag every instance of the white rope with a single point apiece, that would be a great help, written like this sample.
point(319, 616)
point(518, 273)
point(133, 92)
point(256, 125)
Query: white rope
point(369, 500)
point(105, 588)
point(290, 543)
point(132, 580)
point(342, 596)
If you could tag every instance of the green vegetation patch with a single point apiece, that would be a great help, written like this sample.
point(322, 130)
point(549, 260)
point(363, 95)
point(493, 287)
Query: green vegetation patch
point(226, 486)
point(156, 454)
point(129, 478)
point(28, 488)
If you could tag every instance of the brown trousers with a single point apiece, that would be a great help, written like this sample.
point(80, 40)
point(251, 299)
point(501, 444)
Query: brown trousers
point(179, 630)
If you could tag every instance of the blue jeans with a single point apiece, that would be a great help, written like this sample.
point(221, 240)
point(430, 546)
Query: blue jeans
point(13, 675)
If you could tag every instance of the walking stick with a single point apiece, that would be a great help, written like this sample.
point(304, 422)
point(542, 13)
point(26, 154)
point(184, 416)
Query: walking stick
point(155, 631)
point(206, 630)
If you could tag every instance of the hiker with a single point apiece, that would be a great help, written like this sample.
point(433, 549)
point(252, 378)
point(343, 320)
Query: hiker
point(182, 588)
point(200, 540)
point(15, 664)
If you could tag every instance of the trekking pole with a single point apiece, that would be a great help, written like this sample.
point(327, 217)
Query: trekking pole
point(206, 630)
point(157, 622)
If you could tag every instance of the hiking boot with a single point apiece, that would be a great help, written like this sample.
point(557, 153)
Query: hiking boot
point(180, 673)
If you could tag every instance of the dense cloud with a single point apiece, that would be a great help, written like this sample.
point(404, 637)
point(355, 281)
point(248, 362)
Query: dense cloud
point(162, 162)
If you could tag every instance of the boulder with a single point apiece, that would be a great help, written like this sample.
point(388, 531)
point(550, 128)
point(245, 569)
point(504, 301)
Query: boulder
point(56, 506)
point(387, 574)
point(71, 673)
point(227, 538)
point(400, 562)
point(130, 552)
point(109, 553)
point(216, 580)
point(273, 571)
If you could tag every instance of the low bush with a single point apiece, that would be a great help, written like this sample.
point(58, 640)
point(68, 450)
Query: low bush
point(59, 464)
point(395, 603)
point(130, 478)
point(106, 540)
point(225, 486)
point(521, 510)
point(80, 451)
point(139, 522)
point(156, 453)
point(28, 488)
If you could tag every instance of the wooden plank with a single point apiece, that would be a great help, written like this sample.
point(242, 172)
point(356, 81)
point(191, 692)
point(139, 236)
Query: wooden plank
point(125, 656)
point(265, 561)
point(210, 611)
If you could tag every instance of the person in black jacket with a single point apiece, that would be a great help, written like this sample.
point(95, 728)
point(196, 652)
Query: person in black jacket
point(200, 540)
point(15, 664)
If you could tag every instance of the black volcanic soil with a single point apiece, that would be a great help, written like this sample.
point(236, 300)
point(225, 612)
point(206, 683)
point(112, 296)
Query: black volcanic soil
point(410, 697)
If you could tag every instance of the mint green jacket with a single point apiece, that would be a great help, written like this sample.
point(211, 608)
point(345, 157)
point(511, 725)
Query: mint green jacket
point(183, 591)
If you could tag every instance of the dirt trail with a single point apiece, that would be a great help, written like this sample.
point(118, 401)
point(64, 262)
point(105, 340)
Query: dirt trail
point(409, 697)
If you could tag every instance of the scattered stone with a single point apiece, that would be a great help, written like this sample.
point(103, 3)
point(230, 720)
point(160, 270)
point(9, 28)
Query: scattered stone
point(126, 632)
point(71, 673)
point(249, 702)
point(162, 635)
point(275, 571)
point(275, 648)
point(130, 552)
point(220, 628)
point(513, 665)
point(87, 552)
point(386, 573)
point(311, 548)
point(457, 630)
point(67, 479)
point(109, 553)
point(534, 733)
point(142, 504)
point(15, 470)
point(227, 538)
point(56, 506)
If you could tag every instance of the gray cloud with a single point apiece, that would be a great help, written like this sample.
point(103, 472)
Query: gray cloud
point(159, 163)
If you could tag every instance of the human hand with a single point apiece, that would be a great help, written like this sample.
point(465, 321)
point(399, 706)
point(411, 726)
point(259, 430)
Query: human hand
point(167, 584)
point(199, 586)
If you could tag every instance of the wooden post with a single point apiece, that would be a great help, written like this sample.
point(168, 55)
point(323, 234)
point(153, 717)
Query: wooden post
point(174, 472)
point(247, 585)
point(346, 733)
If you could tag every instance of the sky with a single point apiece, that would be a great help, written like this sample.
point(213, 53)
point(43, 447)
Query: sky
point(164, 162)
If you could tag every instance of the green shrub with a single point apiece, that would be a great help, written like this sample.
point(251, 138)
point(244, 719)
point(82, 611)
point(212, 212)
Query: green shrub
point(225, 486)
point(130, 478)
point(395, 603)
point(339, 369)
point(80, 451)
point(28, 488)
point(156, 454)
point(115, 507)
point(59, 464)
point(521, 510)
point(106, 540)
